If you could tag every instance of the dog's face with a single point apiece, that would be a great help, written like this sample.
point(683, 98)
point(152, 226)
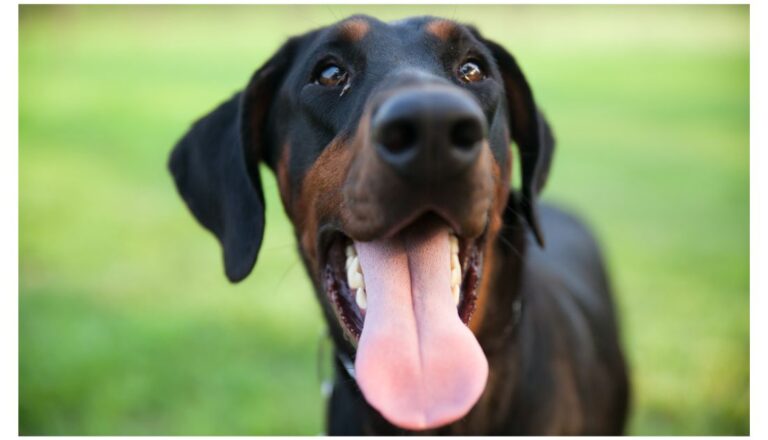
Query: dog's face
point(390, 143)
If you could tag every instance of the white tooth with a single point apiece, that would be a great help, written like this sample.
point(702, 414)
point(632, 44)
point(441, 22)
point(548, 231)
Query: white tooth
point(454, 244)
point(361, 299)
point(455, 290)
point(355, 274)
point(455, 262)
point(350, 250)
point(353, 266)
point(455, 276)
point(353, 261)
point(355, 280)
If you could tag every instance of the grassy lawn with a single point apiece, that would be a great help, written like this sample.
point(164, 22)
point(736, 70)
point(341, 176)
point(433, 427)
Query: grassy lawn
point(127, 324)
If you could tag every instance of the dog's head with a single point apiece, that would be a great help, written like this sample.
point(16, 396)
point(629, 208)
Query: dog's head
point(391, 146)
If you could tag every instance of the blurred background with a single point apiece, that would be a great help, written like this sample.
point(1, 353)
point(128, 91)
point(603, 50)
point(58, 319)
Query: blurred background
point(127, 324)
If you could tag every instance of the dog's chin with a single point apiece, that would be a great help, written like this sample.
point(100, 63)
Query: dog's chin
point(341, 274)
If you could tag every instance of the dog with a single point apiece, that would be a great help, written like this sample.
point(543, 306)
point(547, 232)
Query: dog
point(391, 145)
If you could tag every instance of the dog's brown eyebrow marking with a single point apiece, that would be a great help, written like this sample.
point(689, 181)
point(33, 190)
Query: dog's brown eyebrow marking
point(353, 29)
point(442, 29)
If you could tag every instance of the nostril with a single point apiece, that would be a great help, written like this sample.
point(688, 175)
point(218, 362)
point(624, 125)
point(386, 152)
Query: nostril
point(465, 133)
point(398, 136)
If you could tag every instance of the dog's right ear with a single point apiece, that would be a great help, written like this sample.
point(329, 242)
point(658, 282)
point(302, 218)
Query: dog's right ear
point(215, 166)
point(529, 130)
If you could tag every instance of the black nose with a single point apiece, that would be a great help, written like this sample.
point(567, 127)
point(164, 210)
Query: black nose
point(429, 134)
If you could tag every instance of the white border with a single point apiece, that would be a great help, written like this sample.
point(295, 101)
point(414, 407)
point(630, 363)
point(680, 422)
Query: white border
point(9, 228)
point(402, 2)
point(758, 217)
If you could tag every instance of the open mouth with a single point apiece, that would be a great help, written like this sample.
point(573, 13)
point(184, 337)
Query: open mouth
point(345, 282)
point(405, 301)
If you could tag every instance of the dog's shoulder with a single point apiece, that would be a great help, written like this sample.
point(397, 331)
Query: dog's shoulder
point(571, 258)
point(568, 327)
point(567, 281)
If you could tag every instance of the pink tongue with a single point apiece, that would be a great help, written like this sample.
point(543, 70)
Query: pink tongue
point(417, 363)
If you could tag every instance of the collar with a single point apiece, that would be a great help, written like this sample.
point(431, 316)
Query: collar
point(347, 363)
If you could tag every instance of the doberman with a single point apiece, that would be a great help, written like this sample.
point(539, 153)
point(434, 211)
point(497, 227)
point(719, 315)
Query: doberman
point(391, 147)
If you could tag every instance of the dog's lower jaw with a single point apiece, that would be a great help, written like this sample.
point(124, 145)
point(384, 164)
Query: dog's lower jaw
point(420, 249)
point(501, 266)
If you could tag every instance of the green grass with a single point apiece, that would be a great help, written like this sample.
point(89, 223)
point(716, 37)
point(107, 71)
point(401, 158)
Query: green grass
point(128, 326)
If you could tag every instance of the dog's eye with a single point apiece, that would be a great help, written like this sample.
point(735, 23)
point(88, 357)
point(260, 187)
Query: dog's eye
point(470, 72)
point(331, 75)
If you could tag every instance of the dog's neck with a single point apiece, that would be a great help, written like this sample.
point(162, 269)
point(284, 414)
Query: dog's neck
point(502, 305)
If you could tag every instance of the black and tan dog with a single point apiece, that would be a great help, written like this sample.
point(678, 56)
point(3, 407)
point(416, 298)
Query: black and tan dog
point(391, 147)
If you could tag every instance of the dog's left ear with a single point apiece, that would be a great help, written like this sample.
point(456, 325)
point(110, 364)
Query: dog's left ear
point(215, 166)
point(530, 131)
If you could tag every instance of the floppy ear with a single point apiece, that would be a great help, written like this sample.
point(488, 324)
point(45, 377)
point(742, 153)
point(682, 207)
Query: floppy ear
point(215, 167)
point(529, 130)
